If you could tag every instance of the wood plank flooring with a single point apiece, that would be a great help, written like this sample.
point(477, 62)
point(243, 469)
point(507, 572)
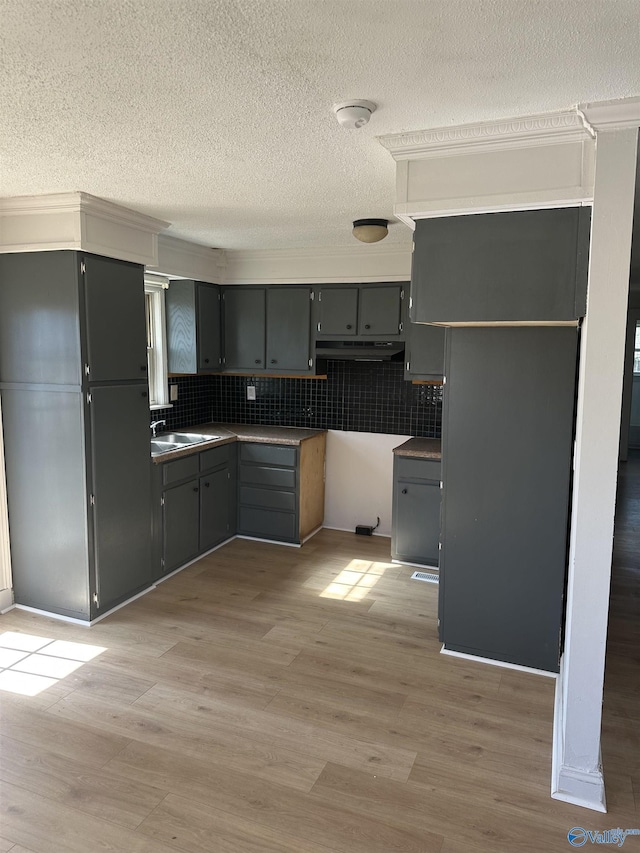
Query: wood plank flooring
point(268, 699)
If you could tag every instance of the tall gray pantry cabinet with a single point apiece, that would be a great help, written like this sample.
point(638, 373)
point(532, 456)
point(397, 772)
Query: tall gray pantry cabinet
point(75, 405)
point(511, 287)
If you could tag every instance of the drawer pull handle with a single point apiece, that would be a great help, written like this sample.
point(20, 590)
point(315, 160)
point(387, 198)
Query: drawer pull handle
point(404, 491)
point(195, 488)
point(367, 326)
point(206, 361)
point(349, 326)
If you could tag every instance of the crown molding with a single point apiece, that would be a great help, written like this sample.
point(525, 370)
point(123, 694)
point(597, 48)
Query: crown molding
point(613, 115)
point(182, 259)
point(79, 221)
point(524, 132)
point(320, 265)
point(80, 202)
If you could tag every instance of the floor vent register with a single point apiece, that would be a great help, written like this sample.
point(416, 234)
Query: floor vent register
point(429, 577)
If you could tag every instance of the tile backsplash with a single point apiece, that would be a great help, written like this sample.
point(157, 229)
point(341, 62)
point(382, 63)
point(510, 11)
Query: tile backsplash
point(355, 396)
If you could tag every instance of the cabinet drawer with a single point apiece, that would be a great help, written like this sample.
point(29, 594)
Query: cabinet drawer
point(260, 475)
point(266, 523)
point(215, 456)
point(269, 498)
point(269, 454)
point(180, 469)
point(411, 468)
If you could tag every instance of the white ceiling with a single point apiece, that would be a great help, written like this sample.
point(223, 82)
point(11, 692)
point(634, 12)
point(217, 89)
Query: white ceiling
point(216, 114)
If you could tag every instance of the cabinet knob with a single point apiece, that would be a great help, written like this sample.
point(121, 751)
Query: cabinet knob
point(206, 361)
point(349, 326)
point(144, 394)
point(404, 491)
point(143, 368)
point(195, 488)
point(367, 326)
point(274, 361)
point(258, 361)
point(207, 485)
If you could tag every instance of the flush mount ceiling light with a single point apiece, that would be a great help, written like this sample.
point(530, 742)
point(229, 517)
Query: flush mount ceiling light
point(370, 230)
point(354, 113)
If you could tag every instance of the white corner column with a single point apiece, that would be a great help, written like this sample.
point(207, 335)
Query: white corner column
point(6, 594)
point(577, 775)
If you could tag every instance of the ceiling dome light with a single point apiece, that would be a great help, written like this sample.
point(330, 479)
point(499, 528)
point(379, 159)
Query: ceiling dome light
point(370, 230)
point(354, 113)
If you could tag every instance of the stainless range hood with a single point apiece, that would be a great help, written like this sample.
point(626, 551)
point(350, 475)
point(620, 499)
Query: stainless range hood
point(360, 350)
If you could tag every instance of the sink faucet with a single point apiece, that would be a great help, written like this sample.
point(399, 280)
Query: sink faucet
point(155, 425)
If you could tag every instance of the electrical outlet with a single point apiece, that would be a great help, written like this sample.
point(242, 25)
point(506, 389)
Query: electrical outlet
point(173, 393)
point(251, 392)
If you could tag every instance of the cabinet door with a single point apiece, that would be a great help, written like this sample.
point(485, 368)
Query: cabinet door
point(208, 327)
point(416, 522)
point(338, 311)
point(244, 328)
point(214, 508)
point(424, 351)
point(180, 305)
point(380, 311)
point(121, 486)
point(501, 267)
point(288, 328)
point(507, 449)
point(115, 328)
point(181, 523)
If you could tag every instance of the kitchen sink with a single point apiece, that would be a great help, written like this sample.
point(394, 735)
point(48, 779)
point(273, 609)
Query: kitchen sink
point(173, 440)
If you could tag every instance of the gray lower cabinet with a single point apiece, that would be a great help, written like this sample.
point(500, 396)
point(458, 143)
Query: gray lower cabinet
point(193, 327)
point(194, 505)
point(76, 430)
point(281, 489)
point(424, 352)
point(415, 532)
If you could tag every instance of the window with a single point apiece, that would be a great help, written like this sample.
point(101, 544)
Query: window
point(636, 351)
point(154, 288)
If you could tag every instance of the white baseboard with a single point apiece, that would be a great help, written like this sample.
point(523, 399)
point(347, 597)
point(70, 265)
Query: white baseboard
point(501, 663)
point(85, 622)
point(269, 541)
point(351, 530)
point(416, 565)
point(312, 534)
point(579, 787)
point(195, 560)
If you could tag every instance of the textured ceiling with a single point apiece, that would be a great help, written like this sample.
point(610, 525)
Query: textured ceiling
point(216, 114)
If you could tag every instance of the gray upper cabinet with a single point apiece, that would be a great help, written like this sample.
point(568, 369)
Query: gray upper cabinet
point(267, 329)
point(114, 306)
point(424, 352)
point(525, 266)
point(364, 312)
point(244, 328)
point(338, 311)
point(380, 311)
point(35, 287)
point(288, 329)
point(193, 327)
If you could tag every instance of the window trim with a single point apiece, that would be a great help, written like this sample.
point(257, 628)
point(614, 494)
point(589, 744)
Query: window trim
point(155, 285)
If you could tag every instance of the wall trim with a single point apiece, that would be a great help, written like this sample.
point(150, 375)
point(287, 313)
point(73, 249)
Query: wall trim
point(501, 663)
point(612, 115)
point(321, 265)
point(578, 787)
point(522, 132)
point(80, 221)
point(179, 258)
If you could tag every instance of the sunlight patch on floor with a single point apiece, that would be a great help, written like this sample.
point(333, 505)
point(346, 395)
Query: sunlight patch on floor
point(355, 581)
point(30, 664)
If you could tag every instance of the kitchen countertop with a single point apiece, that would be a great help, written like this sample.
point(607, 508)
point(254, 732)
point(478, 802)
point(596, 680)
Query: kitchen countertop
point(420, 448)
point(228, 433)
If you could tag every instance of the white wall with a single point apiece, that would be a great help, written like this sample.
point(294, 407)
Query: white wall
point(359, 479)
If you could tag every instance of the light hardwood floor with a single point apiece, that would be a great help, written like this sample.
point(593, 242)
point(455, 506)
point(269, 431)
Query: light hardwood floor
point(295, 701)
